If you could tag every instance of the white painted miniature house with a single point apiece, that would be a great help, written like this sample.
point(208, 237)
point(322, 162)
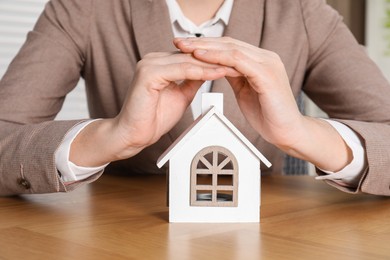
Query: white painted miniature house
point(214, 171)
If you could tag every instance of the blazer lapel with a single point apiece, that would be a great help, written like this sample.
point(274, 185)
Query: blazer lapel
point(246, 21)
point(152, 26)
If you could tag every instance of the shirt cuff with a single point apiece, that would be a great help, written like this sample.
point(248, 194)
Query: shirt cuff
point(69, 171)
point(350, 175)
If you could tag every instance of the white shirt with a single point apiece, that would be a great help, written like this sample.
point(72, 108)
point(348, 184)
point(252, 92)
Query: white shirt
point(183, 27)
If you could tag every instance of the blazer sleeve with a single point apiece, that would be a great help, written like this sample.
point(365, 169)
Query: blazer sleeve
point(32, 91)
point(343, 81)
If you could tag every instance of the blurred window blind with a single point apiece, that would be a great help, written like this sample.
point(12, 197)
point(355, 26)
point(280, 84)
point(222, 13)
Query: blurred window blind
point(17, 17)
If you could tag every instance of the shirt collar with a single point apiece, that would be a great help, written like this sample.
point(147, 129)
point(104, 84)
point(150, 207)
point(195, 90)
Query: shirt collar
point(223, 14)
point(224, 11)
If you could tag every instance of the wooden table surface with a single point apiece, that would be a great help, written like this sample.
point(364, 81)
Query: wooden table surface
point(125, 217)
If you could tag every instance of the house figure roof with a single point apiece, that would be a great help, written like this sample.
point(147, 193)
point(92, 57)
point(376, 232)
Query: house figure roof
point(197, 125)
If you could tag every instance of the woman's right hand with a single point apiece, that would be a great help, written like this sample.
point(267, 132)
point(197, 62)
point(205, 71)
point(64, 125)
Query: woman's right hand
point(163, 86)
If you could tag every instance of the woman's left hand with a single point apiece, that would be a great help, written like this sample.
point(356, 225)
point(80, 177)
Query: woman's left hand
point(264, 96)
point(262, 88)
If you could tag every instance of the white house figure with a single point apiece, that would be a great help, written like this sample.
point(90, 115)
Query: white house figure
point(214, 171)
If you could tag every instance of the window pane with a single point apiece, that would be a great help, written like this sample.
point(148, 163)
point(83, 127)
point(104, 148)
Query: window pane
point(209, 157)
point(204, 179)
point(225, 195)
point(203, 195)
point(201, 165)
point(225, 179)
point(221, 157)
point(228, 166)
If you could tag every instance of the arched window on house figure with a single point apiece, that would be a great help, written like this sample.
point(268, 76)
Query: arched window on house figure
point(214, 178)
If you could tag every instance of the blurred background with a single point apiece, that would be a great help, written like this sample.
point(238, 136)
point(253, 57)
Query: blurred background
point(369, 21)
point(17, 17)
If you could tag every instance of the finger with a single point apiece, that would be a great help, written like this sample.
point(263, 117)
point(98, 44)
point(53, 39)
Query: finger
point(209, 41)
point(175, 57)
point(159, 76)
point(231, 58)
point(235, 52)
point(188, 45)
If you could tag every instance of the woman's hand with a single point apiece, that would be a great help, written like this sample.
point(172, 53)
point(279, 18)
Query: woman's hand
point(264, 95)
point(262, 88)
point(163, 86)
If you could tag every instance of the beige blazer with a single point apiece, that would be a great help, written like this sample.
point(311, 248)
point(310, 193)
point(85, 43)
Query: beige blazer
point(103, 40)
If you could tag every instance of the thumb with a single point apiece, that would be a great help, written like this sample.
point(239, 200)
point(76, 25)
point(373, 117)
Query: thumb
point(190, 87)
point(236, 83)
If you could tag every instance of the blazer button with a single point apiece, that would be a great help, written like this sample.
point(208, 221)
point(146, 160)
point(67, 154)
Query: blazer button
point(24, 183)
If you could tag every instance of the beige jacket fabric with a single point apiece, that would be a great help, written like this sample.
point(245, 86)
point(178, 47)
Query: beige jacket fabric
point(102, 41)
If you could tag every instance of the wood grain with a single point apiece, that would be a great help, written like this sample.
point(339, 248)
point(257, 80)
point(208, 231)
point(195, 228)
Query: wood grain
point(125, 217)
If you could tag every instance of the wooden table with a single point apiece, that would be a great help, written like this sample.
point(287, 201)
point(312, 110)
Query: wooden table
point(125, 217)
